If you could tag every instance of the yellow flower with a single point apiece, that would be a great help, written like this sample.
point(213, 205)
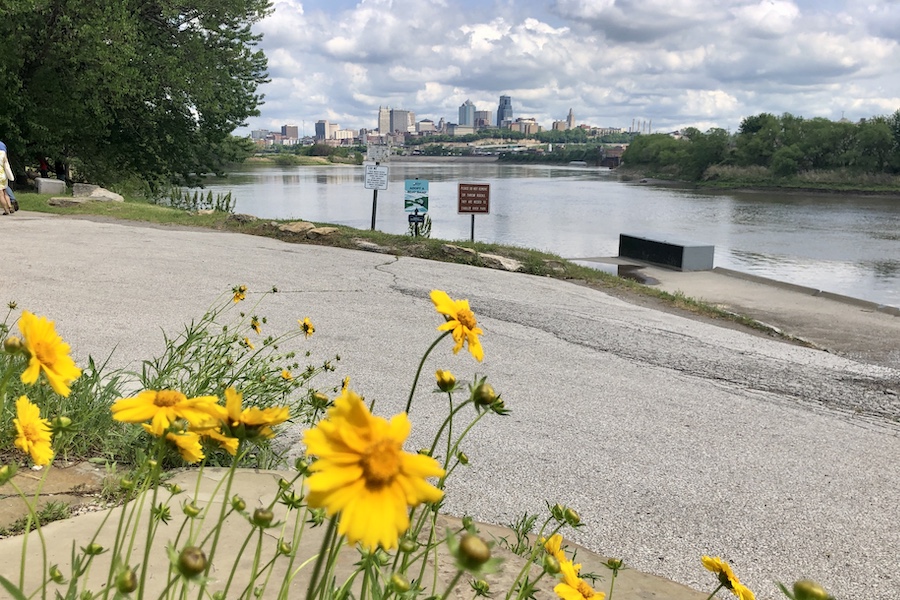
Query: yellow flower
point(186, 442)
point(363, 472)
point(572, 587)
point(307, 326)
point(553, 546)
point(249, 344)
point(33, 432)
point(164, 407)
point(460, 321)
point(254, 324)
point(227, 443)
point(286, 375)
point(727, 577)
point(445, 380)
point(240, 292)
point(249, 422)
point(48, 353)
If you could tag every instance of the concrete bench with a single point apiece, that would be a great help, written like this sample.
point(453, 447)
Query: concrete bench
point(665, 250)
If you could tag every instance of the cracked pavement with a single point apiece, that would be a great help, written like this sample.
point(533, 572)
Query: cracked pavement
point(672, 437)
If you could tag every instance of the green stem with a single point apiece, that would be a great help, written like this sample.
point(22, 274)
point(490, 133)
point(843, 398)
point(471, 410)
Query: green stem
point(154, 475)
point(452, 585)
point(715, 591)
point(412, 390)
point(318, 568)
point(612, 583)
point(226, 505)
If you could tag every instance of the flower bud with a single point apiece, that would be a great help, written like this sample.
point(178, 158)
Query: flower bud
point(126, 581)
point(302, 466)
point(551, 564)
point(262, 517)
point(558, 512)
point(462, 458)
point(93, 549)
point(806, 589)
point(407, 545)
point(445, 380)
point(468, 523)
point(615, 564)
point(60, 423)
point(284, 483)
point(126, 484)
point(572, 517)
point(285, 547)
point(56, 575)
point(237, 503)
point(191, 561)
point(190, 509)
point(484, 394)
point(399, 583)
point(175, 489)
point(6, 473)
point(12, 344)
point(473, 551)
point(220, 595)
point(481, 587)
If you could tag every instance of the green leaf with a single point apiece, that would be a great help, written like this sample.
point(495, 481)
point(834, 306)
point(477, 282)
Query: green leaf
point(13, 590)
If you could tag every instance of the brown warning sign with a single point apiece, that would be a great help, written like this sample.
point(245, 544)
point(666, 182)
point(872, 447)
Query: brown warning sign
point(475, 198)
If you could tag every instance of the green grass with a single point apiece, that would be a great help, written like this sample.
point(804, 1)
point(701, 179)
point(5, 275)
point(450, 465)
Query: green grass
point(49, 512)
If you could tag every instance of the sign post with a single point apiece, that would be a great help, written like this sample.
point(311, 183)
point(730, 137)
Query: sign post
point(474, 198)
point(376, 179)
point(415, 201)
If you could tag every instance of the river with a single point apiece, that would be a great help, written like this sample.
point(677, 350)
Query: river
point(846, 244)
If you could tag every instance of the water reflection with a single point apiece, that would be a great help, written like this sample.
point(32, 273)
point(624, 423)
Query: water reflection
point(843, 244)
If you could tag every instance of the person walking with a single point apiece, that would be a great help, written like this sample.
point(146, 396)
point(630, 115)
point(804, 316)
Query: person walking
point(6, 175)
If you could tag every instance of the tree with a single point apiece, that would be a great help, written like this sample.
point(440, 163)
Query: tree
point(122, 88)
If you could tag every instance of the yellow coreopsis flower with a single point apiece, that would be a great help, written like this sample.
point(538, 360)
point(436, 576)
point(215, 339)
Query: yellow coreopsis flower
point(254, 324)
point(240, 292)
point(363, 473)
point(33, 432)
point(249, 344)
point(307, 326)
point(227, 443)
point(186, 442)
point(573, 587)
point(286, 375)
point(460, 322)
point(47, 352)
point(164, 407)
point(445, 380)
point(252, 421)
point(727, 577)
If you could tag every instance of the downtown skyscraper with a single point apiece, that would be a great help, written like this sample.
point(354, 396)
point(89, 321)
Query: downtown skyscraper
point(504, 111)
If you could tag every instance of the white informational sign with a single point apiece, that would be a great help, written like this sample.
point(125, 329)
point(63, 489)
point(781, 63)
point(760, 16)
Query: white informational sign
point(378, 152)
point(376, 177)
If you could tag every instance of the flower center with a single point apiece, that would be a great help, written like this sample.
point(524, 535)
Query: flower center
point(43, 353)
point(381, 463)
point(466, 318)
point(585, 590)
point(31, 432)
point(167, 398)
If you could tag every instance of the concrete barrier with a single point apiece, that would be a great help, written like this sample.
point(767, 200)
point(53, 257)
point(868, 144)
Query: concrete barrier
point(50, 186)
point(667, 251)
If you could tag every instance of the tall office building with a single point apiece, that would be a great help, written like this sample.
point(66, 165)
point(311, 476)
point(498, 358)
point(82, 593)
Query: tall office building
point(504, 111)
point(290, 131)
point(484, 118)
point(384, 120)
point(467, 114)
point(322, 130)
point(401, 120)
point(570, 120)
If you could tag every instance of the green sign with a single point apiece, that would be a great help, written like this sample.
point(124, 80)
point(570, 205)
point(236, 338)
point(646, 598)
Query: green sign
point(416, 196)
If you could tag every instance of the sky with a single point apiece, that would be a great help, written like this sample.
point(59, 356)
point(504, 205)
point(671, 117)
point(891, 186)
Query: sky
point(668, 64)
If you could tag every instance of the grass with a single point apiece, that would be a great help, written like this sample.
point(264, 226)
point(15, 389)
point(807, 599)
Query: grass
point(534, 262)
point(49, 512)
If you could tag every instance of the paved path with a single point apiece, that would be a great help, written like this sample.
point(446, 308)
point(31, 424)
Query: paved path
point(672, 437)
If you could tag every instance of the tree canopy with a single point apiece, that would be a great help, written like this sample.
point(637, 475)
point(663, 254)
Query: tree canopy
point(124, 88)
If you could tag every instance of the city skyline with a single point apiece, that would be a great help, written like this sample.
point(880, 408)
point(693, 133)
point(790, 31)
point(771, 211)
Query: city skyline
point(677, 64)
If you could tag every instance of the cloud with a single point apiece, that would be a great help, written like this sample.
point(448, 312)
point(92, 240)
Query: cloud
point(611, 61)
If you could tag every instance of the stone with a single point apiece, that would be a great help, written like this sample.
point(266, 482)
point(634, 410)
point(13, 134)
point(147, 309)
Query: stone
point(495, 261)
point(296, 227)
point(80, 190)
point(320, 232)
point(371, 246)
point(104, 195)
point(458, 251)
point(67, 201)
point(242, 218)
point(50, 186)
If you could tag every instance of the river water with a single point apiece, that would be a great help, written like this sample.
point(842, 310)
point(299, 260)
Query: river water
point(840, 243)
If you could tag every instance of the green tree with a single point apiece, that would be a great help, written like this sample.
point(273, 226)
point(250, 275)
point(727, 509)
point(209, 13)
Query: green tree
point(122, 88)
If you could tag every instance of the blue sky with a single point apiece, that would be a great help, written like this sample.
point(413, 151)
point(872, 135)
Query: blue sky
point(675, 63)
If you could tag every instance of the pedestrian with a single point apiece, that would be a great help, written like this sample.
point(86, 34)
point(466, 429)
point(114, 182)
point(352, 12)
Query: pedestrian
point(43, 167)
point(6, 175)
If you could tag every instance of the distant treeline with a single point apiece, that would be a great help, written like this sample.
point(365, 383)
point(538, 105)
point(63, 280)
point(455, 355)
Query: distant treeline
point(776, 147)
point(592, 155)
point(567, 136)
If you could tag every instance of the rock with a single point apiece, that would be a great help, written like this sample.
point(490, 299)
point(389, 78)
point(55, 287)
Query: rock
point(104, 195)
point(81, 190)
point(296, 227)
point(495, 261)
point(371, 246)
point(555, 266)
point(242, 218)
point(50, 186)
point(206, 211)
point(458, 251)
point(319, 232)
point(67, 201)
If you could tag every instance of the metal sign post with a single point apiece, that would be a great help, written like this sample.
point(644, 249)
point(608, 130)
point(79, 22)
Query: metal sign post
point(474, 198)
point(376, 179)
